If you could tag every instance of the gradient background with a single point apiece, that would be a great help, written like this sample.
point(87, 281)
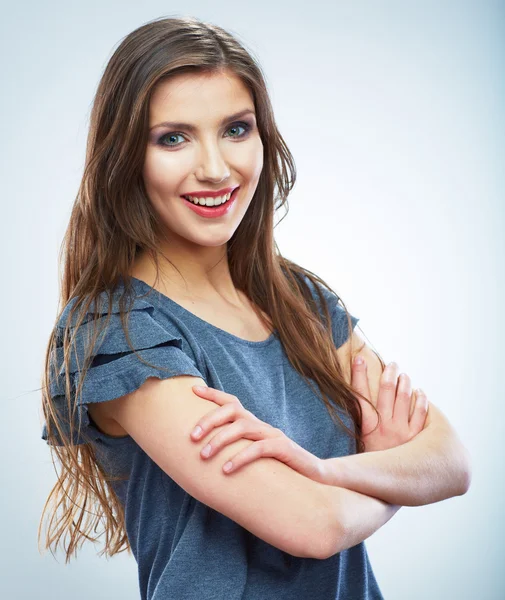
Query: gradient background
point(394, 112)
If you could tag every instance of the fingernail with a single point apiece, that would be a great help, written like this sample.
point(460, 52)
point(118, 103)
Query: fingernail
point(197, 431)
point(199, 388)
point(359, 360)
point(206, 450)
point(227, 466)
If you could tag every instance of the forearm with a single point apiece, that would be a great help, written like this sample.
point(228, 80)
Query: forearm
point(431, 467)
point(353, 517)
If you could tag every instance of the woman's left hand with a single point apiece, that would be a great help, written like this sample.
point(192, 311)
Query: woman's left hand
point(269, 441)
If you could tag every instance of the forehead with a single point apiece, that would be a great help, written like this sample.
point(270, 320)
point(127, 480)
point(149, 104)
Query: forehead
point(192, 96)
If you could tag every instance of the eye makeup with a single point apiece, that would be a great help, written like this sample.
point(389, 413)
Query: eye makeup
point(247, 126)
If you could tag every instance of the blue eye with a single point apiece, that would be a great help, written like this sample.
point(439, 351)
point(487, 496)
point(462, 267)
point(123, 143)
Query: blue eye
point(169, 135)
point(245, 126)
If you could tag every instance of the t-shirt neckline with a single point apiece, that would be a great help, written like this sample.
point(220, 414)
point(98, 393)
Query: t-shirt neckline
point(164, 298)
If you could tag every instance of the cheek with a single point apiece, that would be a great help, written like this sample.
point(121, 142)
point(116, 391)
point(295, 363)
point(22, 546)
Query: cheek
point(163, 170)
point(249, 160)
point(259, 161)
point(153, 172)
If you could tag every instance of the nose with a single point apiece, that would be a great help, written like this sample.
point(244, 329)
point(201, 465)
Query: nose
point(212, 165)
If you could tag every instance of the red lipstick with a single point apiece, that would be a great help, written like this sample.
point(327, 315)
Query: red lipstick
point(210, 194)
point(212, 211)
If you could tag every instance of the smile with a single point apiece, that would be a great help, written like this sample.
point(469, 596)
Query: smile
point(209, 201)
point(212, 207)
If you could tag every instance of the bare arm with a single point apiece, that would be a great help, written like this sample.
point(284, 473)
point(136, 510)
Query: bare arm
point(432, 466)
point(267, 497)
point(353, 517)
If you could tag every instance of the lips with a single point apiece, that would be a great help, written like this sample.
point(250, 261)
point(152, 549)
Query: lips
point(212, 211)
point(210, 194)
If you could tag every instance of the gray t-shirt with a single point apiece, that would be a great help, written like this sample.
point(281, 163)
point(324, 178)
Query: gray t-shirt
point(184, 549)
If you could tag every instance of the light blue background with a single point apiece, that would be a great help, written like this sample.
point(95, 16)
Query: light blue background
point(394, 112)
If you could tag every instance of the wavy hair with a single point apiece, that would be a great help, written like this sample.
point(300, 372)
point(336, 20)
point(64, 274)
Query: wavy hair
point(112, 220)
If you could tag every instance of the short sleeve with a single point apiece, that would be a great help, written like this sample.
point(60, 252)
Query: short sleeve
point(115, 370)
point(339, 325)
point(338, 314)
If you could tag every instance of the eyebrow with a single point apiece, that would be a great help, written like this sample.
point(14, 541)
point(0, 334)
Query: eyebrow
point(193, 128)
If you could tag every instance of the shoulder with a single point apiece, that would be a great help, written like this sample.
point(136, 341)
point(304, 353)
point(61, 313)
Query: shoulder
point(107, 331)
point(110, 300)
point(114, 313)
point(348, 346)
point(114, 344)
point(341, 318)
point(318, 289)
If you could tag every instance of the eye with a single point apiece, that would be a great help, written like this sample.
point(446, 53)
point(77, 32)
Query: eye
point(235, 126)
point(245, 126)
point(170, 136)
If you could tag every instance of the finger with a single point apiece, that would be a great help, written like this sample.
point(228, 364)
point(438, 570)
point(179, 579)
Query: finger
point(369, 417)
point(284, 450)
point(224, 414)
point(419, 416)
point(272, 448)
point(217, 396)
point(387, 391)
point(240, 429)
point(412, 403)
point(401, 408)
point(359, 381)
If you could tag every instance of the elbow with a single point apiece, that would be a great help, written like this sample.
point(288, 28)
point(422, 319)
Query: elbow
point(331, 543)
point(328, 537)
point(465, 472)
point(459, 471)
point(316, 539)
point(467, 480)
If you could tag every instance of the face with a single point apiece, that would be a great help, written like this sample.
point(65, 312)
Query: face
point(212, 152)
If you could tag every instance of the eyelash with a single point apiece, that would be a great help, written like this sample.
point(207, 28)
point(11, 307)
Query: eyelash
point(247, 127)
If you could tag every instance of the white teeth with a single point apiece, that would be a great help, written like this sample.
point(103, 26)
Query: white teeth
point(209, 201)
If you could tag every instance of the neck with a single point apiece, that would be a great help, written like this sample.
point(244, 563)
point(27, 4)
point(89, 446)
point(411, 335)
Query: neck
point(202, 273)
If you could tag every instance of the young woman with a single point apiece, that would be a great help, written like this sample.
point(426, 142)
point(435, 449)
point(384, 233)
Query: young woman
point(172, 279)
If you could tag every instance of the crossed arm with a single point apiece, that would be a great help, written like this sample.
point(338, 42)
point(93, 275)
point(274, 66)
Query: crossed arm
point(364, 491)
point(432, 466)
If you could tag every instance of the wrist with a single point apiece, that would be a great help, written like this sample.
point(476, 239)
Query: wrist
point(334, 471)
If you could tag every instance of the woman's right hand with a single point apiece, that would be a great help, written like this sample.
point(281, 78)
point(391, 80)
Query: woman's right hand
point(397, 426)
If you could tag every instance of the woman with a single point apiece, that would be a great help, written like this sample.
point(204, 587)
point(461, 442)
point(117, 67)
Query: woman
point(161, 293)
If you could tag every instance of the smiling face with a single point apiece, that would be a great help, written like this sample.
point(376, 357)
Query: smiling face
point(214, 151)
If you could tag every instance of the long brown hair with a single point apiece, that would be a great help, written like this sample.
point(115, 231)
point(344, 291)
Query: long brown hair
point(112, 220)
